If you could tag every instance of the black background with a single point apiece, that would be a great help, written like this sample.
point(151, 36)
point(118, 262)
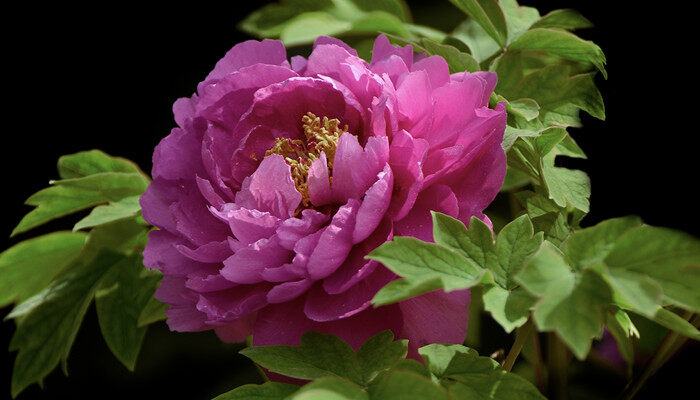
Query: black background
point(105, 76)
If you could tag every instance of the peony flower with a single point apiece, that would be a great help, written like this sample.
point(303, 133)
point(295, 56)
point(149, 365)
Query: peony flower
point(280, 178)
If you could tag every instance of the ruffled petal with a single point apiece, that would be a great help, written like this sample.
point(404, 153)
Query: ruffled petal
point(248, 53)
point(435, 317)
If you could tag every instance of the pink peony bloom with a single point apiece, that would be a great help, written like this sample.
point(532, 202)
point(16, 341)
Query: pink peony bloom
point(282, 177)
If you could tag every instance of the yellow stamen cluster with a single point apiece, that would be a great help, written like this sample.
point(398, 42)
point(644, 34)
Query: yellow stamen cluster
point(321, 135)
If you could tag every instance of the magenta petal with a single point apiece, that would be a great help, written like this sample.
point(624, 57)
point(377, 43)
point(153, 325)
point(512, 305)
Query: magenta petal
point(288, 291)
point(335, 242)
point(247, 264)
point(407, 156)
point(415, 104)
point(321, 40)
point(435, 317)
point(383, 49)
point(418, 222)
point(350, 181)
point(270, 189)
point(319, 182)
point(294, 229)
point(209, 283)
point(177, 156)
point(249, 226)
point(356, 267)
point(322, 307)
point(284, 323)
point(161, 253)
point(436, 68)
point(185, 319)
point(213, 252)
point(237, 331)
point(228, 305)
point(374, 205)
point(249, 53)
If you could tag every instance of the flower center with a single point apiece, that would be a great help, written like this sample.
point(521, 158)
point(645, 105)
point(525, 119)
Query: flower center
point(321, 136)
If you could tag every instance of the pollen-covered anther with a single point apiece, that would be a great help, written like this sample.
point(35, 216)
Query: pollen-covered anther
point(320, 136)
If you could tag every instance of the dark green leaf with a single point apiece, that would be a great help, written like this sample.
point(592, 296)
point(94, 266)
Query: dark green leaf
point(561, 95)
point(510, 309)
point(470, 376)
point(266, 391)
point(92, 162)
point(591, 245)
point(676, 323)
point(70, 195)
point(563, 19)
point(488, 14)
point(456, 60)
point(29, 266)
point(567, 186)
point(561, 43)
point(50, 320)
point(305, 28)
point(620, 326)
point(324, 355)
point(401, 385)
point(424, 267)
point(154, 311)
point(670, 258)
point(571, 303)
point(124, 292)
point(518, 18)
point(330, 388)
point(114, 211)
point(379, 353)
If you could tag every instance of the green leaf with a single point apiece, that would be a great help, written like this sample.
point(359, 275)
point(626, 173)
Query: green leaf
point(510, 309)
point(563, 19)
point(676, 323)
point(518, 18)
point(50, 320)
point(670, 258)
point(124, 292)
point(480, 44)
point(266, 391)
point(398, 8)
point(424, 267)
point(525, 108)
point(561, 43)
point(437, 357)
point(489, 15)
point(71, 195)
point(560, 95)
point(590, 246)
point(92, 162)
point(29, 266)
point(401, 385)
point(268, 21)
point(620, 326)
point(572, 303)
point(330, 388)
point(324, 355)
point(114, 211)
point(456, 60)
point(503, 257)
point(470, 376)
point(379, 21)
point(567, 186)
point(379, 353)
point(305, 28)
point(154, 311)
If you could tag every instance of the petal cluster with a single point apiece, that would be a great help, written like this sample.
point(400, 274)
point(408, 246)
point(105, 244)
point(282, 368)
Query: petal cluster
point(243, 250)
